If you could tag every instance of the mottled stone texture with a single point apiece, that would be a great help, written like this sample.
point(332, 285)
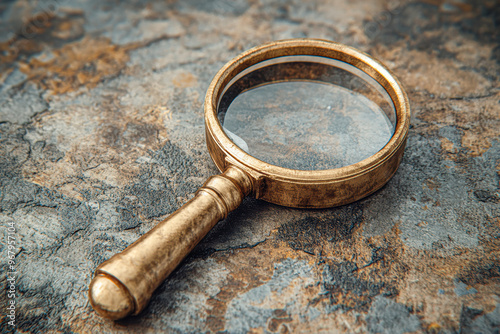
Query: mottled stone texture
point(102, 136)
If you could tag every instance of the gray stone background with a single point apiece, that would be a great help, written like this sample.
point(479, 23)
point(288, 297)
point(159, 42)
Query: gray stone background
point(102, 136)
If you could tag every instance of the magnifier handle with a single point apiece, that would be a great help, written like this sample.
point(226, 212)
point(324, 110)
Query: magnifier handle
point(124, 284)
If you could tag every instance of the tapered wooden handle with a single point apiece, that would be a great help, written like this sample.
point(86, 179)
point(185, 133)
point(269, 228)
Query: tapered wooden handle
point(124, 284)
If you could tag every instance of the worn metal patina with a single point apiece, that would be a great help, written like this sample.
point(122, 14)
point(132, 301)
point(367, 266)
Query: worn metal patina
point(124, 284)
point(102, 136)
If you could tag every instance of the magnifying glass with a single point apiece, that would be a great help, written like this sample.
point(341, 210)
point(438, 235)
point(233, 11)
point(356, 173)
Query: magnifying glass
point(300, 123)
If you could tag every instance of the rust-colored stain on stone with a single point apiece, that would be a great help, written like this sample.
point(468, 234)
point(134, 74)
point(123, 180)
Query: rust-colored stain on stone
point(83, 63)
point(184, 80)
point(352, 271)
point(39, 32)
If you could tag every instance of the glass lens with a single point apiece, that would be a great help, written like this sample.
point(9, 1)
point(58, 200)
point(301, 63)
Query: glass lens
point(307, 113)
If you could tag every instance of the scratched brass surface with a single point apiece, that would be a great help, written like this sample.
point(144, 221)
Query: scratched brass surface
point(145, 264)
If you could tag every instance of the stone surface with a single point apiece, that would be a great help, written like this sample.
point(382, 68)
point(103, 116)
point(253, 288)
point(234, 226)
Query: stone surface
point(102, 136)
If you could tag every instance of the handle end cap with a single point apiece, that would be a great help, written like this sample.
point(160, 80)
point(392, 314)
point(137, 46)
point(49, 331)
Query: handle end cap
point(110, 298)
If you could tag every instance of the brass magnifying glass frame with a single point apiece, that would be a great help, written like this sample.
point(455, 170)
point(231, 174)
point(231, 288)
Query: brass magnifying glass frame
point(124, 284)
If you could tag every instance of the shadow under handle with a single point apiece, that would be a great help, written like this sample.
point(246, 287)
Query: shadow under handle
point(124, 284)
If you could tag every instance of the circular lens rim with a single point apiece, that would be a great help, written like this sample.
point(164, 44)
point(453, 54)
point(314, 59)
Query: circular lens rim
point(303, 183)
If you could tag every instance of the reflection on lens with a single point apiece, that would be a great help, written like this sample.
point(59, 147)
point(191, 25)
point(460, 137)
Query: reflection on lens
point(334, 118)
